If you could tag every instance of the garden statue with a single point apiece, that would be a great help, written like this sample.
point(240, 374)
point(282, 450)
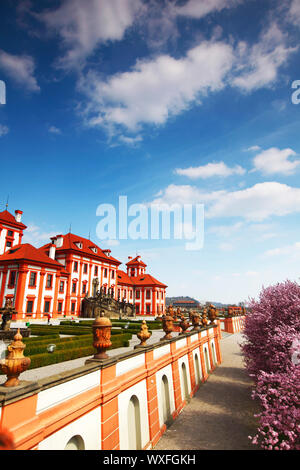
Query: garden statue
point(144, 334)
point(7, 312)
point(16, 362)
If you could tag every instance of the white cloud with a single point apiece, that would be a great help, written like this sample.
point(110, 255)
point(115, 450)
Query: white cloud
point(258, 65)
point(274, 161)
point(226, 230)
point(155, 90)
point(256, 203)
point(294, 12)
point(54, 130)
point(251, 273)
point(210, 170)
point(130, 140)
point(285, 250)
point(3, 130)
point(83, 25)
point(199, 9)
point(254, 148)
point(36, 237)
point(20, 69)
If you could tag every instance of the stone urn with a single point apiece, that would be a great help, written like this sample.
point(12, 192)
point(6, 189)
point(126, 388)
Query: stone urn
point(184, 324)
point(143, 334)
point(168, 327)
point(16, 362)
point(101, 333)
point(196, 321)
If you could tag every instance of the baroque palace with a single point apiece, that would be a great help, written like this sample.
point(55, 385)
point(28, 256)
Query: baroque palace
point(55, 278)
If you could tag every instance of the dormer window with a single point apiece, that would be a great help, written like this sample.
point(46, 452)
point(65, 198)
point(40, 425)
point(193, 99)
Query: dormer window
point(94, 249)
point(79, 245)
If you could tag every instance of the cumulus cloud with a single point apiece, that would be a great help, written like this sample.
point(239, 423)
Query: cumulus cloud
point(20, 69)
point(210, 170)
point(274, 161)
point(258, 65)
point(155, 90)
point(256, 203)
point(83, 25)
point(35, 236)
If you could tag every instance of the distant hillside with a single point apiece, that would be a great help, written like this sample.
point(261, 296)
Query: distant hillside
point(171, 300)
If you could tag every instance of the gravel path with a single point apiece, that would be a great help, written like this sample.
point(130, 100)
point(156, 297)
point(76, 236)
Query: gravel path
point(220, 415)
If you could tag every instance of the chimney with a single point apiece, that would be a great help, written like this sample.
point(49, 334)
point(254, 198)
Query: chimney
point(129, 257)
point(52, 251)
point(18, 215)
point(59, 241)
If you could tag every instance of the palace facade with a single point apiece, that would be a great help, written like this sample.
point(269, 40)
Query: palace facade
point(54, 278)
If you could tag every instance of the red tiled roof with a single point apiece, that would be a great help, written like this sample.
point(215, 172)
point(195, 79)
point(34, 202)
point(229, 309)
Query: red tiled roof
point(7, 218)
point(123, 278)
point(136, 262)
point(28, 252)
point(69, 243)
point(142, 280)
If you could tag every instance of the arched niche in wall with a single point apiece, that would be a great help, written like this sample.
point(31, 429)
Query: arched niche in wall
point(134, 424)
point(206, 360)
point(75, 443)
point(214, 353)
point(197, 369)
point(165, 394)
point(185, 382)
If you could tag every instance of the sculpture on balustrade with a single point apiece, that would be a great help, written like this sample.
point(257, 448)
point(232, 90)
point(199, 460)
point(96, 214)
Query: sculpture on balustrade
point(168, 327)
point(212, 313)
point(143, 334)
point(204, 320)
point(184, 324)
point(16, 362)
point(196, 321)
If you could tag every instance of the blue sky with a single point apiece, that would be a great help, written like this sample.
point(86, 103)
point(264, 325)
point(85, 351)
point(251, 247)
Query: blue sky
point(167, 101)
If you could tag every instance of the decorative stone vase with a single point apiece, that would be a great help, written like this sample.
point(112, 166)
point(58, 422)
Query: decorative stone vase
point(168, 327)
point(15, 363)
point(144, 334)
point(102, 333)
point(184, 324)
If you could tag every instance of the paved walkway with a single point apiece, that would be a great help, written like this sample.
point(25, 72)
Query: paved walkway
point(220, 415)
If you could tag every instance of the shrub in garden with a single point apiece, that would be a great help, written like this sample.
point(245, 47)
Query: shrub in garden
point(272, 327)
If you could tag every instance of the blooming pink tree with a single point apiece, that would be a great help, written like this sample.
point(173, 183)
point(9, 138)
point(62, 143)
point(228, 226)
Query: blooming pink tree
point(271, 334)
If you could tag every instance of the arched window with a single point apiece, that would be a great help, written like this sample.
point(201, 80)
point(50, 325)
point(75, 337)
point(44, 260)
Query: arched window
point(134, 424)
point(75, 443)
point(165, 399)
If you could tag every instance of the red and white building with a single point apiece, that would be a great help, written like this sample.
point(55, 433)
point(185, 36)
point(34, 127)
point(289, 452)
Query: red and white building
point(56, 277)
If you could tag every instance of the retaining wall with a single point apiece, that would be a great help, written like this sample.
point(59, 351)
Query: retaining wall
point(124, 402)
